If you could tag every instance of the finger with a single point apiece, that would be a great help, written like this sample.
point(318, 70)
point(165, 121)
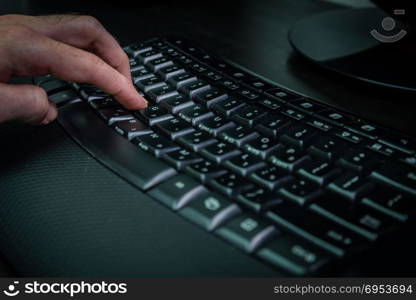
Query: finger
point(83, 32)
point(26, 103)
point(47, 56)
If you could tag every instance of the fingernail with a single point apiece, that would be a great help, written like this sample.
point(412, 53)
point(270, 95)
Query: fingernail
point(45, 121)
point(51, 115)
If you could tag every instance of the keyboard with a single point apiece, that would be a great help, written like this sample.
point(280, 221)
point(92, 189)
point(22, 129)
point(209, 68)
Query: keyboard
point(290, 181)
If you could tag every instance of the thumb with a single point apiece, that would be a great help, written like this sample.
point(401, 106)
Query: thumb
point(26, 103)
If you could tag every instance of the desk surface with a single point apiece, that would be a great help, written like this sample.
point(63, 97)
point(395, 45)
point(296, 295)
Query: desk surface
point(251, 33)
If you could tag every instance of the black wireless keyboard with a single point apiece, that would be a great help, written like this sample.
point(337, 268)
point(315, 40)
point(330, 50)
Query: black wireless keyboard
point(289, 180)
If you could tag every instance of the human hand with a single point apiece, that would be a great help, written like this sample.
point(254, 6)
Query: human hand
point(71, 47)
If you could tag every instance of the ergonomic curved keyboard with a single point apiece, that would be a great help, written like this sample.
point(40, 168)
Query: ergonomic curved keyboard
point(296, 183)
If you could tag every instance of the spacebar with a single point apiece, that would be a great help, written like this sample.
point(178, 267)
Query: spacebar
point(111, 149)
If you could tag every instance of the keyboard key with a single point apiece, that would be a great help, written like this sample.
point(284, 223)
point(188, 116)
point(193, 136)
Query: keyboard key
point(247, 93)
point(282, 96)
point(271, 177)
point(205, 170)
point(294, 255)
point(159, 45)
point(308, 106)
point(381, 148)
point(152, 171)
point(319, 124)
point(158, 63)
point(323, 232)
point(175, 104)
point(193, 88)
point(104, 103)
point(220, 151)
point(410, 160)
point(181, 158)
point(247, 232)
point(271, 104)
point(228, 107)
point(211, 97)
point(365, 129)
point(357, 160)
point(350, 185)
point(147, 84)
point(335, 117)
point(197, 140)
point(135, 49)
point(400, 176)
point(302, 191)
point(175, 127)
point(195, 114)
point(258, 199)
point(210, 211)
point(299, 136)
point(248, 115)
point(182, 79)
point(167, 72)
point(220, 65)
point(399, 142)
point(230, 184)
point(187, 47)
point(215, 125)
point(211, 75)
point(161, 93)
point(198, 68)
point(319, 171)
point(111, 115)
point(328, 148)
point(134, 65)
point(288, 158)
point(238, 74)
point(156, 144)
point(63, 97)
point(258, 84)
point(293, 113)
point(349, 136)
point(177, 191)
point(141, 74)
point(273, 125)
point(145, 56)
point(131, 128)
point(244, 164)
point(363, 220)
point(154, 114)
point(90, 92)
point(262, 147)
point(395, 203)
point(238, 135)
point(172, 52)
point(186, 60)
point(229, 84)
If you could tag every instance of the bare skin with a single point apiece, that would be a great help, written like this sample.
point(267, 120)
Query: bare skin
point(71, 47)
